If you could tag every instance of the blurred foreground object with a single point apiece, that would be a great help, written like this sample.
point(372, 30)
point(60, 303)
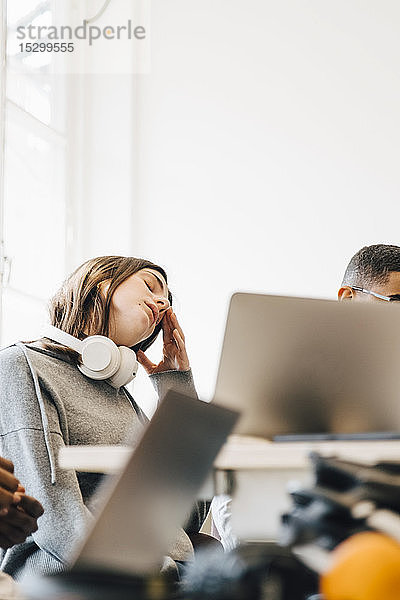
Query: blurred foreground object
point(258, 571)
point(364, 567)
point(352, 515)
point(101, 585)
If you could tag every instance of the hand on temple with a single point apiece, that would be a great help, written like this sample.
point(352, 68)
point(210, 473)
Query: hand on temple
point(174, 350)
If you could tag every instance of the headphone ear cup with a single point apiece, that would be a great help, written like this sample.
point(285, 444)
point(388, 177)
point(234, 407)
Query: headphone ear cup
point(101, 358)
point(127, 368)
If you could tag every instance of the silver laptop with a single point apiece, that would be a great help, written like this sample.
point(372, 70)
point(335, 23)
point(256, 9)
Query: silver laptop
point(302, 368)
point(144, 507)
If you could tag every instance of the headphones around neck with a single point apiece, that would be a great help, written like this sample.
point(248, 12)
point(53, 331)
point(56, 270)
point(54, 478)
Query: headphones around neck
point(101, 358)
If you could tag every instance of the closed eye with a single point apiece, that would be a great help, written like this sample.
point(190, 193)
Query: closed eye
point(148, 286)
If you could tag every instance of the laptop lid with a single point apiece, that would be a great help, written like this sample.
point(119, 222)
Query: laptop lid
point(150, 500)
point(311, 368)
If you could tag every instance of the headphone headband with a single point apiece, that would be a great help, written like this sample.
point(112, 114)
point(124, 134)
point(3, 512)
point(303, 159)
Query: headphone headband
point(62, 337)
point(101, 358)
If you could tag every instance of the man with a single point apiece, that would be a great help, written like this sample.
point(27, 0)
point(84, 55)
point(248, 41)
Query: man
point(372, 275)
point(18, 519)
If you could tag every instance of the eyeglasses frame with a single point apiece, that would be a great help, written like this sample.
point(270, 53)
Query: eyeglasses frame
point(375, 294)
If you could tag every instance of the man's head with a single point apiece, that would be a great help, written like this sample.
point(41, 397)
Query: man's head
point(372, 269)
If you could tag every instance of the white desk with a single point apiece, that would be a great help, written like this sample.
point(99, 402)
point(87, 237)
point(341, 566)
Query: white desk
point(261, 472)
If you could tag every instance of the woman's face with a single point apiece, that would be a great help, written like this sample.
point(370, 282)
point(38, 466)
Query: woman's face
point(137, 306)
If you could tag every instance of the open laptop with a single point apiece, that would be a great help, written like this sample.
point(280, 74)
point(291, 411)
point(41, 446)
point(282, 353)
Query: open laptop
point(143, 507)
point(311, 369)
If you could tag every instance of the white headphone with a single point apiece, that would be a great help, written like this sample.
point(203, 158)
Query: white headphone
point(101, 358)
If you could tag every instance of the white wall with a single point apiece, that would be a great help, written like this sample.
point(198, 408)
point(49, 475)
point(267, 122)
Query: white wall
point(102, 165)
point(259, 153)
point(268, 148)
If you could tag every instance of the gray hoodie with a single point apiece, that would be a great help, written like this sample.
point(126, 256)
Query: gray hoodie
point(47, 403)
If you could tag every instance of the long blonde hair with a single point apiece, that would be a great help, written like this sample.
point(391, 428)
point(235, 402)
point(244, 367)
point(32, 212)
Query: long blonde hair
point(81, 308)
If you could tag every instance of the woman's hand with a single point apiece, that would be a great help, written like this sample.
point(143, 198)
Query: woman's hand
point(174, 349)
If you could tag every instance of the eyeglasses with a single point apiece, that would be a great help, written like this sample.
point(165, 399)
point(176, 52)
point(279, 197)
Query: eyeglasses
point(393, 298)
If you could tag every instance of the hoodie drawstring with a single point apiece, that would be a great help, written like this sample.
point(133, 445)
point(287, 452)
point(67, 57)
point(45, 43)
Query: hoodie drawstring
point(45, 422)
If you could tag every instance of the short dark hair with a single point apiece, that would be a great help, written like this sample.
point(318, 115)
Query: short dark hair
point(372, 264)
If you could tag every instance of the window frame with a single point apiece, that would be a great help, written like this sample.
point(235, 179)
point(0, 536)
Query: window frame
point(3, 78)
point(50, 133)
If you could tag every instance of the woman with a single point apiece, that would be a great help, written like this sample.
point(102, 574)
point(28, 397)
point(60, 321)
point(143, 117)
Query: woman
point(47, 402)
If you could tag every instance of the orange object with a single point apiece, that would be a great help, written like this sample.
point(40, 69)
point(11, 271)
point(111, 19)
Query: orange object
point(366, 566)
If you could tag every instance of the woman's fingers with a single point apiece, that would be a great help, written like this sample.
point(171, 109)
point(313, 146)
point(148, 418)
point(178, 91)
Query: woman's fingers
point(171, 325)
point(174, 342)
point(167, 327)
point(145, 362)
point(181, 357)
point(175, 325)
point(174, 350)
